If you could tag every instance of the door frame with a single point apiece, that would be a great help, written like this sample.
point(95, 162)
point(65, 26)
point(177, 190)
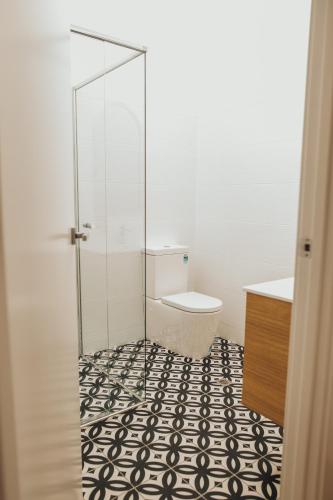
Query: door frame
point(310, 372)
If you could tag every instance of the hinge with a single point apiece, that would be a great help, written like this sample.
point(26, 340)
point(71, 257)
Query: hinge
point(306, 247)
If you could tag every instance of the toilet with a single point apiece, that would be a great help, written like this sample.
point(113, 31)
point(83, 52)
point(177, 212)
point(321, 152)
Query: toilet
point(182, 321)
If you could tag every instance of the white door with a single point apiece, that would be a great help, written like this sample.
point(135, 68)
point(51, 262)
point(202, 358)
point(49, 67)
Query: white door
point(39, 401)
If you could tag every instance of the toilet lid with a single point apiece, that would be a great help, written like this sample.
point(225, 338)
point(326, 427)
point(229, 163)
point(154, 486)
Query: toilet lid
point(193, 302)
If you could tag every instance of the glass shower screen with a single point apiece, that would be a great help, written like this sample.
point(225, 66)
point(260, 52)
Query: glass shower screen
point(109, 130)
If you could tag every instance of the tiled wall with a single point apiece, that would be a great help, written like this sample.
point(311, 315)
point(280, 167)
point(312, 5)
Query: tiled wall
point(171, 183)
point(249, 152)
point(225, 86)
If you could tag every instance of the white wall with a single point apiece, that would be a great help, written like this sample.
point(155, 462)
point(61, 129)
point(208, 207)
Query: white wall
point(225, 108)
point(39, 400)
point(249, 151)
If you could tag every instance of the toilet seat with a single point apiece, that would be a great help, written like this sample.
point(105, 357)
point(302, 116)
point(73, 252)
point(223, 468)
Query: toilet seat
point(193, 302)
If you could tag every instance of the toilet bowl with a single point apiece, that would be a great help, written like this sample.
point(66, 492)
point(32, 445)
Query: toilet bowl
point(182, 321)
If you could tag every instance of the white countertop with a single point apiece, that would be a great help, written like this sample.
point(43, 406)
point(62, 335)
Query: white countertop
point(277, 289)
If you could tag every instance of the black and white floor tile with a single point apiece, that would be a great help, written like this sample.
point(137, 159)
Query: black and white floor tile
point(124, 364)
point(192, 439)
point(111, 380)
point(100, 395)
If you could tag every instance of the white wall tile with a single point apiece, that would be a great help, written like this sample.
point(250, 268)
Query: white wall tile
point(91, 158)
point(92, 200)
point(124, 164)
point(224, 124)
point(124, 314)
point(126, 272)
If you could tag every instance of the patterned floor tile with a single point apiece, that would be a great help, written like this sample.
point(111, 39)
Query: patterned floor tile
point(192, 439)
point(143, 464)
point(264, 439)
point(233, 489)
point(105, 482)
point(167, 486)
point(177, 448)
point(201, 473)
point(231, 453)
point(179, 415)
point(111, 380)
point(263, 476)
point(103, 429)
point(92, 456)
point(230, 420)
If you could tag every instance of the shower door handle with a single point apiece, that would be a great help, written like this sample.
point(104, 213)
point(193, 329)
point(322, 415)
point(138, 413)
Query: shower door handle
point(77, 236)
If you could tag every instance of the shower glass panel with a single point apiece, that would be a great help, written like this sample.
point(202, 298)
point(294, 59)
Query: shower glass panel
point(91, 216)
point(109, 123)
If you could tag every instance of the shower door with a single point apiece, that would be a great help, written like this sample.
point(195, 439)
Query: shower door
point(109, 119)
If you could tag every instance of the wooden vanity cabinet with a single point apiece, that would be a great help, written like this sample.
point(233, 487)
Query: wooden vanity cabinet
point(266, 355)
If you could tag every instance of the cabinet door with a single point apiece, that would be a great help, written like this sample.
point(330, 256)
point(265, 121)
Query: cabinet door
point(266, 355)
